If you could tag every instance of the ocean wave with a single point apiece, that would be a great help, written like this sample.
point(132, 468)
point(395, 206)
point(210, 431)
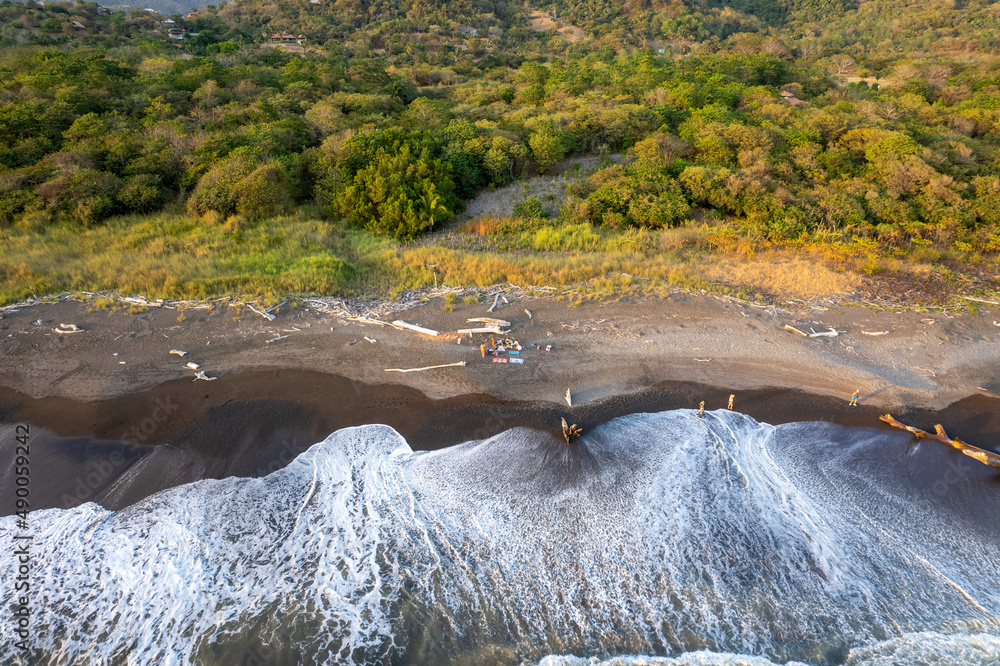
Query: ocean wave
point(661, 534)
point(920, 649)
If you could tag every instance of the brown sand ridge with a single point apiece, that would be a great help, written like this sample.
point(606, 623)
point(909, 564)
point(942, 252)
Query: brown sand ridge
point(600, 349)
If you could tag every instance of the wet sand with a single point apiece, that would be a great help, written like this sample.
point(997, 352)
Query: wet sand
point(119, 451)
point(116, 418)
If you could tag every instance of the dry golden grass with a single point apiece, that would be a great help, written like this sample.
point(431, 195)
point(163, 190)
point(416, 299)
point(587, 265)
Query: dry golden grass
point(680, 238)
point(786, 277)
point(174, 256)
point(170, 256)
point(487, 224)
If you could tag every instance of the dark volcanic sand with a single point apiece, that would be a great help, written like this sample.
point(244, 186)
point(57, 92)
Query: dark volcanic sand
point(118, 451)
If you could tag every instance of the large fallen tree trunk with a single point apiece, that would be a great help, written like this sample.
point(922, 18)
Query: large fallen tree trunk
point(485, 329)
point(983, 456)
point(413, 327)
point(488, 320)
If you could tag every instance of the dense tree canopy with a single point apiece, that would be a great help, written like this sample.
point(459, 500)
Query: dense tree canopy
point(389, 119)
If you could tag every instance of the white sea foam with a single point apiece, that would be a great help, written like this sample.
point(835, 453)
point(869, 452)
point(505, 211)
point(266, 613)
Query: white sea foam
point(922, 649)
point(698, 538)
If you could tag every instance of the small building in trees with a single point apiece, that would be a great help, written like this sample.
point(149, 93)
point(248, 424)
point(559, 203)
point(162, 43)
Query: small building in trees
point(287, 38)
point(791, 98)
point(175, 33)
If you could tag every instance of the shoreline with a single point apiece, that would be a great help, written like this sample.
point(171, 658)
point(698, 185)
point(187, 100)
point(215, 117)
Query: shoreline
point(113, 398)
point(249, 425)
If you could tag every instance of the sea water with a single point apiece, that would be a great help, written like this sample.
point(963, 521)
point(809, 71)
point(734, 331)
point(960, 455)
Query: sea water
point(654, 539)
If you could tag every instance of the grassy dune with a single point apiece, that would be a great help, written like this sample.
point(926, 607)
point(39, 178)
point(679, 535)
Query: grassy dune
point(177, 256)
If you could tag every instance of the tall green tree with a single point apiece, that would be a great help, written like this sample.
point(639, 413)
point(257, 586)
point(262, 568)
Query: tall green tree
point(400, 193)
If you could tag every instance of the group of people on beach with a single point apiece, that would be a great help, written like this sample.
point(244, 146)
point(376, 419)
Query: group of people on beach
point(506, 345)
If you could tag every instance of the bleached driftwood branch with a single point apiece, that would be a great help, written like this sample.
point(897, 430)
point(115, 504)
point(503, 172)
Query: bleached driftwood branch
point(485, 329)
point(488, 320)
point(981, 300)
point(429, 367)
point(419, 329)
point(832, 333)
point(266, 315)
point(367, 320)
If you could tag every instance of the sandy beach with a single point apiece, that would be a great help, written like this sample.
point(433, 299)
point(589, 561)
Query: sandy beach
point(114, 395)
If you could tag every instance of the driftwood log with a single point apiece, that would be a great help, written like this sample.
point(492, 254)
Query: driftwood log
point(460, 364)
point(399, 323)
point(482, 329)
point(488, 320)
point(791, 328)
point(570, 431)
point(983, 456)
point(495, 301)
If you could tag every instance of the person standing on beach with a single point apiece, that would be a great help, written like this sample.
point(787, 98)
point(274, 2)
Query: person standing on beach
point(854, 398)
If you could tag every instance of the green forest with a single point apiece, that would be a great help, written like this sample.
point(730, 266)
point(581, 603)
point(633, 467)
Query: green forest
point(341, 147)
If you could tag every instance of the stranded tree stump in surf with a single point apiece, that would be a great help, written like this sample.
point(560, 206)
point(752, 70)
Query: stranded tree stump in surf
point(981, 455)
point(570, 431)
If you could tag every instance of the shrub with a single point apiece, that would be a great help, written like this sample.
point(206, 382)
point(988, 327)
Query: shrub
point(12, 204)
point(84, 195)
point(641, 198)
point(142, 193)
point(529, 208)
point(252, 187)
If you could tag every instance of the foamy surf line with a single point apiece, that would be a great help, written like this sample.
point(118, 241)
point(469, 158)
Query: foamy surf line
point(684, 538)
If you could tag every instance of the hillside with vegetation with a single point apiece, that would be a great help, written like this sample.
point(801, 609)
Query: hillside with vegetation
point(846, 147)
